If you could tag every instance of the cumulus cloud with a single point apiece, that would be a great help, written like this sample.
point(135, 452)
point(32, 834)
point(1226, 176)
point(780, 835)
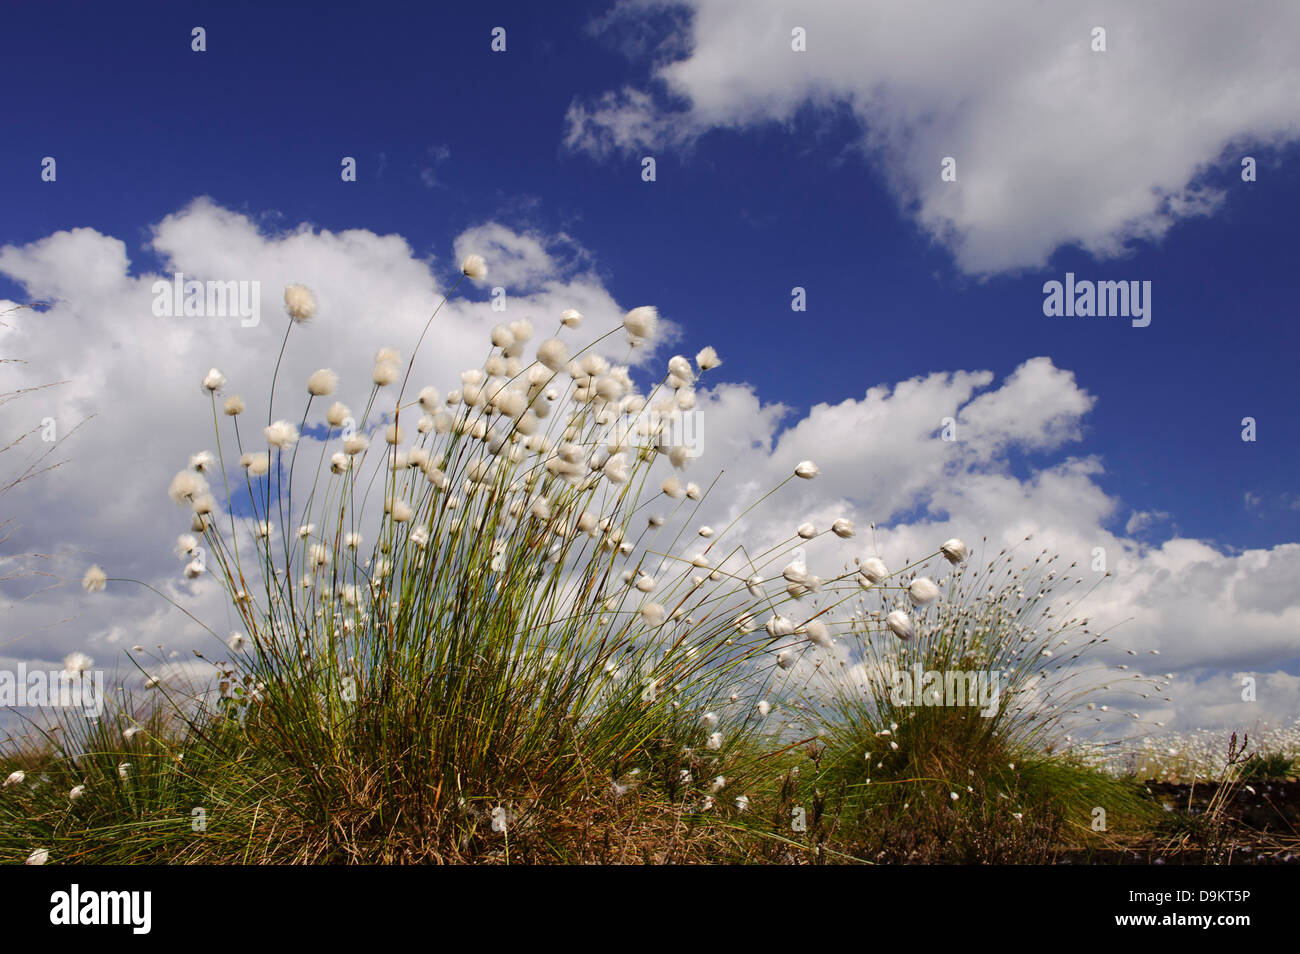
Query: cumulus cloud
point(883, 453)
point(521, 261)
point(1055, 144)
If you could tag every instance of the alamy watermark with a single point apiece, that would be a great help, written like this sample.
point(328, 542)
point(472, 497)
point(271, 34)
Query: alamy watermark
point(53, 688)
point(132, 909)
point(954, 687)
point(194, 299)
point(666, 430)
point(1089, 299)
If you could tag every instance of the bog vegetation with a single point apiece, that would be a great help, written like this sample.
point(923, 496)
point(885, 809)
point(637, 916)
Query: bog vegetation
point(474, 629)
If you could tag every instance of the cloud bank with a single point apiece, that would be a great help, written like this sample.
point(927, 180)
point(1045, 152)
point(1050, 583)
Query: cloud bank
point(1055, 144)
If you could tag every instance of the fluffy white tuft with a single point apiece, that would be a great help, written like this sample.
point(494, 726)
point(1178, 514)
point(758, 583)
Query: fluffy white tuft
point(95, 580)
point(640, 324)
point(281, 434)
point(299, 302)
point(322, 382)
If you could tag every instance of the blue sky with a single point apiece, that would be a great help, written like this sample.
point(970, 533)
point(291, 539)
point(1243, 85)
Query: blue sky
point(140, 125)
point(775, 169)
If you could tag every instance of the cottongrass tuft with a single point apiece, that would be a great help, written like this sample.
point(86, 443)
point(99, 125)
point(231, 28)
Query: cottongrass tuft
point(256, 463)
point(778, 626)
point(653, 614)
point(474, 267)
point(214, 380)
point(818, 633)
point(387, 367)
point(300, 303)
point(337, 414)
point(187, 485)
point(322, 382)
point(203, 462)
point(900, 624)
point(618, 469)
point(77, 662)
point(641, 324)
point(95, 580)
point(922, 590)
point(954, 551)
point(553, 354)
point(281, 434)
point(873, 569)
point(497, 626)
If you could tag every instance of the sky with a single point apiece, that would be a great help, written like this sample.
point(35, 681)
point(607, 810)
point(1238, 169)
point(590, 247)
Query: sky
point(795, 146)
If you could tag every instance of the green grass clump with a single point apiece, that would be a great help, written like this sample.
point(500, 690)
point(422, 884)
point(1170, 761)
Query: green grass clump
point(477, 631)
point(977, 767)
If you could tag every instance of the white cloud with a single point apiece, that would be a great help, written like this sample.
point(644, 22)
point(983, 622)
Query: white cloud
point(517, 259)
point(1055, 144)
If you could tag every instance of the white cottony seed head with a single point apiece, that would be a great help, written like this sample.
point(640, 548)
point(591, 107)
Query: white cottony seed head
point(76, 662)
point(281, 434)
point(818, 633)
point(653, 614)
point(922, 590)
point(322, 382)
point(95, 579)
point(900, 624)
point(874, 569)
point(640, 324)
point(299, 302)
point(553, 354)
point(954, 550)
point(779, 626)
